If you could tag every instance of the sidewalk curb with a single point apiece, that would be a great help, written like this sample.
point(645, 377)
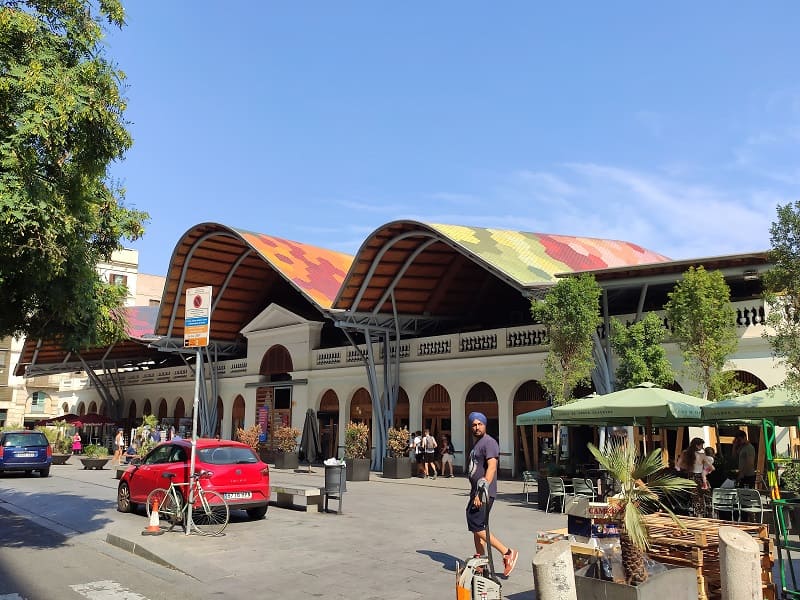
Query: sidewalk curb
point(138, 550)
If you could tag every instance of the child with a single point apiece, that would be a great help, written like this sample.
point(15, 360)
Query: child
point(708, 465)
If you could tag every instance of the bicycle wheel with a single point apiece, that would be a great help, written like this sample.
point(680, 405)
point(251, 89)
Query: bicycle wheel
point(210, 513)
point(168, 508)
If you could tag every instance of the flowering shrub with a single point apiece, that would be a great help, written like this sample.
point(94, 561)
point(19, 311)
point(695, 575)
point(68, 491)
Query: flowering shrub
point(397, 441)
point(285, 439)
point(250, 436)
point(356, 440)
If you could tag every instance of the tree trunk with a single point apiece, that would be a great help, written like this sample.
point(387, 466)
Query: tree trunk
point(632, 561)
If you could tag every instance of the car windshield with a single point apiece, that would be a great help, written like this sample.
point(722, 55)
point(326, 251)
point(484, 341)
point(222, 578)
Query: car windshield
point(25, 439)
point(227, 455)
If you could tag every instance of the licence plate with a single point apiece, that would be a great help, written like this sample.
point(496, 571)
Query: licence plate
point(238, 495)
point(25, 454)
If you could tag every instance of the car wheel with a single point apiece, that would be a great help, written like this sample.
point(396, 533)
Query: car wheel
point(44, 472)
point(257, 513)
point(124, 503)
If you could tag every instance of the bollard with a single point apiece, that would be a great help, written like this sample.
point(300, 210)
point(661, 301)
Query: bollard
point(739, 565)
point(553, 574)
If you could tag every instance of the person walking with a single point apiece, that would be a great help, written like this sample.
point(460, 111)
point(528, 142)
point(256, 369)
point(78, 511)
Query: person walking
point(419, 456)
point(429, 446)
point(119, 447)
point(745, 454)
point(484, 461)
point(447, 452)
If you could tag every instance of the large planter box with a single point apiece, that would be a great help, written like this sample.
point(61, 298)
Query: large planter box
point(61, 459)
point(357, 469)
point(286, 460)
point(397, 467)
point(95, 463)
point(675, 584)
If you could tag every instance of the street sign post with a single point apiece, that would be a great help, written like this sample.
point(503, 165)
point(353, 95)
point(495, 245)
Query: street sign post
point(196, 331)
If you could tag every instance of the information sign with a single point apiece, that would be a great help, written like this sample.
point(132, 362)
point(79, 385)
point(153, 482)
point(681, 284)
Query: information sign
point(197, 317)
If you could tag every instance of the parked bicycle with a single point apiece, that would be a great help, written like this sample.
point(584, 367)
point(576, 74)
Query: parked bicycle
point(210, 512)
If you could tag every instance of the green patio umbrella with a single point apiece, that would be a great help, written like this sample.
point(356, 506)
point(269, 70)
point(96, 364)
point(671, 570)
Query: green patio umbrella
point(776, 403)
point(644, 404)
point(542, 416)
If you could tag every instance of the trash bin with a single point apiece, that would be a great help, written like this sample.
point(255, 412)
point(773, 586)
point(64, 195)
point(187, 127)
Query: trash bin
point(335, 484)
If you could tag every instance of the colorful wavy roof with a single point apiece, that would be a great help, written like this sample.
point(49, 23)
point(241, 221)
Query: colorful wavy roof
point(315, 271)
point(531, 258)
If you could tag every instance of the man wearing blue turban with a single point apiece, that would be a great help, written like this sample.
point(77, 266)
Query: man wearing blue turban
point(484, 461)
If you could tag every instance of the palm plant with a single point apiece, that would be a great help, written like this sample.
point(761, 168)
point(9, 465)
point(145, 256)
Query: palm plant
point(644, 482)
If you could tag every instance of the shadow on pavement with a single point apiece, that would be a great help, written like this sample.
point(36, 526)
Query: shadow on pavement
point(448, 561)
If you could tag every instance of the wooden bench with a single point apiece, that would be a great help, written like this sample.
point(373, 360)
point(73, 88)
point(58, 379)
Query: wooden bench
point(298, 496)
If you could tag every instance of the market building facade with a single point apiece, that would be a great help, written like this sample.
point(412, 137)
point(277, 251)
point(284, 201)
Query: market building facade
point(434, 318)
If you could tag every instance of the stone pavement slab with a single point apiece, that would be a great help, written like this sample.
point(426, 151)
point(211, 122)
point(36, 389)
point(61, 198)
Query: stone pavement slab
point(396, 539)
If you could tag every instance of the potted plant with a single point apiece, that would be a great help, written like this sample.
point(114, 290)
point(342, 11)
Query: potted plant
point(284, 442)
point(643, 482)
point(356, 451)
point(60, 442)
point(790, 491)
point(396, 464)
point(95, 456)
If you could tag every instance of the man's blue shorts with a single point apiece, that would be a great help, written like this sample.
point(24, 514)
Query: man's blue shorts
point(476, 517)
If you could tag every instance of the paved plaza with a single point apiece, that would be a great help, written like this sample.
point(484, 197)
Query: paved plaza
point(397, 539)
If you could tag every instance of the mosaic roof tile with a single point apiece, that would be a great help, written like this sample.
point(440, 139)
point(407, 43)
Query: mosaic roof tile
point(317, 272)
point(532, 258)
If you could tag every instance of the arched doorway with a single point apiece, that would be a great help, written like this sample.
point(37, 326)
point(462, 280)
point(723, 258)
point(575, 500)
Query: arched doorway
point(361, 407)
point(237, 416)
point(401, 411)
point(81, 409)
point(436, 411)
point(274, 397)
point(162, 411)
point(328, 418)
point(178, 416)
point(531, 395)
point(750, 381)
point(148, 409)
point(93, 407)
point(132, 414)
point(64, 408)
point(481, 398)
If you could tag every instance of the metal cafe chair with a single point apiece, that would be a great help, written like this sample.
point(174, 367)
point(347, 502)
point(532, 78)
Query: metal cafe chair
point(528, 481)
point(582, 487)
point(558, 489)
point(750, 503)
point(724, 500)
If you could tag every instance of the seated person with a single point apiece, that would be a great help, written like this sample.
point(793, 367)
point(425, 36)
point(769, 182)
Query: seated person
point(132, 453)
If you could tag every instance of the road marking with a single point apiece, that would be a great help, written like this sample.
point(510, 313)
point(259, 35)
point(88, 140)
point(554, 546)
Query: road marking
point(105, 590)
point(11, 597)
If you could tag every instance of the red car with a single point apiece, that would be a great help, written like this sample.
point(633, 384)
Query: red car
point(236, 473)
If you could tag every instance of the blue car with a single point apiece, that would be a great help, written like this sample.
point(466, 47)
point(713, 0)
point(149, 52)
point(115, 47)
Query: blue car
point(26, 451)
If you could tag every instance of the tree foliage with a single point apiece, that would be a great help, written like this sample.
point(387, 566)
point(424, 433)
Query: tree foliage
point(640, 354)
point(782, 291)
point(61, 127)
point(703, 322)
point(571, 313)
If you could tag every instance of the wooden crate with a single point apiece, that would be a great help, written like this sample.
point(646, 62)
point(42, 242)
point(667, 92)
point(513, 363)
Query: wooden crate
point(697, 546)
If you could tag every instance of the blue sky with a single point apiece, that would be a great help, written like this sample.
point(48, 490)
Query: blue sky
point(672, 125)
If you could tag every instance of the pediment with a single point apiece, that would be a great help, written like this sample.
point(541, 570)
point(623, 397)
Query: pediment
point(273, 317)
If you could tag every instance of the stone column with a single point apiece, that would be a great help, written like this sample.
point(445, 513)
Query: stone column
point(553, 575)
point(739, 565)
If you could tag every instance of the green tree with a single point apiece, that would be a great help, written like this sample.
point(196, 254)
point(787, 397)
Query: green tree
point(61, 127)
point(640, 353)
point(703, 322)
point(782, 291)
point(571, 313)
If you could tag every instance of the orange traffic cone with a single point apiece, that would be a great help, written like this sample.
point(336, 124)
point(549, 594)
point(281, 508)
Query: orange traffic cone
point(154, 528)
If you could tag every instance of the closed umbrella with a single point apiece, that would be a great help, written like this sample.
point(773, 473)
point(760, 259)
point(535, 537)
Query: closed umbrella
point(309, 442)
